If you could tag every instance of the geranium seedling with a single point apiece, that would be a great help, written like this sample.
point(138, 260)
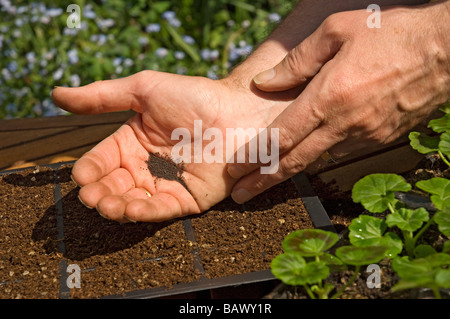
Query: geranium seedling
point(439, 188)
point(376, 192)
point(366, 231)
point(440, 143)
point(430, 271)
point(310, 242)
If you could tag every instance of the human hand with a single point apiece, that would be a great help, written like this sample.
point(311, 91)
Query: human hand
point(114, 177)
point(364, 87)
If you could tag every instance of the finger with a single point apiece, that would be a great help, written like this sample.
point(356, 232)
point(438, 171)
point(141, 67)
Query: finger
point(117, 182)
point(293, 125)
point(300, 64)
point(113, 207)
point(98, 162)
point(160, 207)
point(98, 97)
point(305, 153)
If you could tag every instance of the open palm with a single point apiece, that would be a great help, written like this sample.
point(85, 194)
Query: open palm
point(114, 175)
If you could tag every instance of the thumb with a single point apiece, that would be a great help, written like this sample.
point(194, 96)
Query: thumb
point(101, 96)
point(300, 64)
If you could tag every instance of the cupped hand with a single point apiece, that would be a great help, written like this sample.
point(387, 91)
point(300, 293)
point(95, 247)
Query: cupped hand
point(364, 87)
point(114, 175)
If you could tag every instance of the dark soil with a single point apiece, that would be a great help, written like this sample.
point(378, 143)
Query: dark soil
point(44, 229)
point(162, 166)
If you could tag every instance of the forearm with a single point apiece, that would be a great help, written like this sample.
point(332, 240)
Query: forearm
point(303, 20)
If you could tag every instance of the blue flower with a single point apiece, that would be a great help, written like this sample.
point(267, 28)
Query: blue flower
point(128, 62)
point(105, 24)
point(58, 74)
point(70, 31)
point(12, 66)
point(31, 57)
point(18, 22)
point(179, 55)
point(117, 61)
point(274, 17)
point(152, 28)
point(171, 17)
point(72, 55)
point(143, 41)
point(75, 80)
point(188, 39)
point(161, 52)
point(102, 38)
point(6, 74)
point(54, 12)
point(209, 55)
point(88, 13)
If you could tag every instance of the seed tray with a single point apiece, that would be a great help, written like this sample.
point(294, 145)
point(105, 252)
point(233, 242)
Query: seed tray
point(60, 233)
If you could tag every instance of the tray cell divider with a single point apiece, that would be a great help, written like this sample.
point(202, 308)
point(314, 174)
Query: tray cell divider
point(190, 235)
point(64, 292)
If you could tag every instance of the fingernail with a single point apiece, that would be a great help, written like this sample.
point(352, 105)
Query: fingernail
point(73, 180)
point(79, 198)
point(241, 196)
point(55, 87)
point(264, 76)
point(100, 213)
point(235, 171)
point(129, 219)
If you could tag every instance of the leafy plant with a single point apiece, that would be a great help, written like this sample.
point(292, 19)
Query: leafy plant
point(376, 193)
point(438, 143)
point(427, 271)
point(306, 261)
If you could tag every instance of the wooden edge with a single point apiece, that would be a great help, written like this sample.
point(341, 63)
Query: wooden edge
point(397, 161)
point(64, 121)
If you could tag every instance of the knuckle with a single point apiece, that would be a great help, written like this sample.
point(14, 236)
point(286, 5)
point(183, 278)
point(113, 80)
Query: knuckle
point(259, 185)
point(293, 60)
point(286, 140)
point(291, 165)
point(336, 25)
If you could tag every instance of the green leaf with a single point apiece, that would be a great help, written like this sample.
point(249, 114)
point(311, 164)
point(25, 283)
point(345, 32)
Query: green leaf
point(439, 188)
point(334, 263)
point(441, 124)
point(445, 107)
point(376, 191)
point(446, 247)
point(442, 218)
point(415, 269)
point(438, 259)
point(292, 269)
point(366, 230)
point(443, 278)
point(370, 231)
point(423, 250)
point(408, 219)
point(423, 143)
point(421, 272)
point(358, 256)
point(316, 271)
point(419, 267)
point(444, 144)
point(310, 242)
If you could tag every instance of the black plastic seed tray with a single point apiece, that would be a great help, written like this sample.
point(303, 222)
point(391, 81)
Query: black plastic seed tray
point(310, 200)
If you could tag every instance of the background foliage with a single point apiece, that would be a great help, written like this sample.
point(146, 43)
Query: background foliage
point(117, 38)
